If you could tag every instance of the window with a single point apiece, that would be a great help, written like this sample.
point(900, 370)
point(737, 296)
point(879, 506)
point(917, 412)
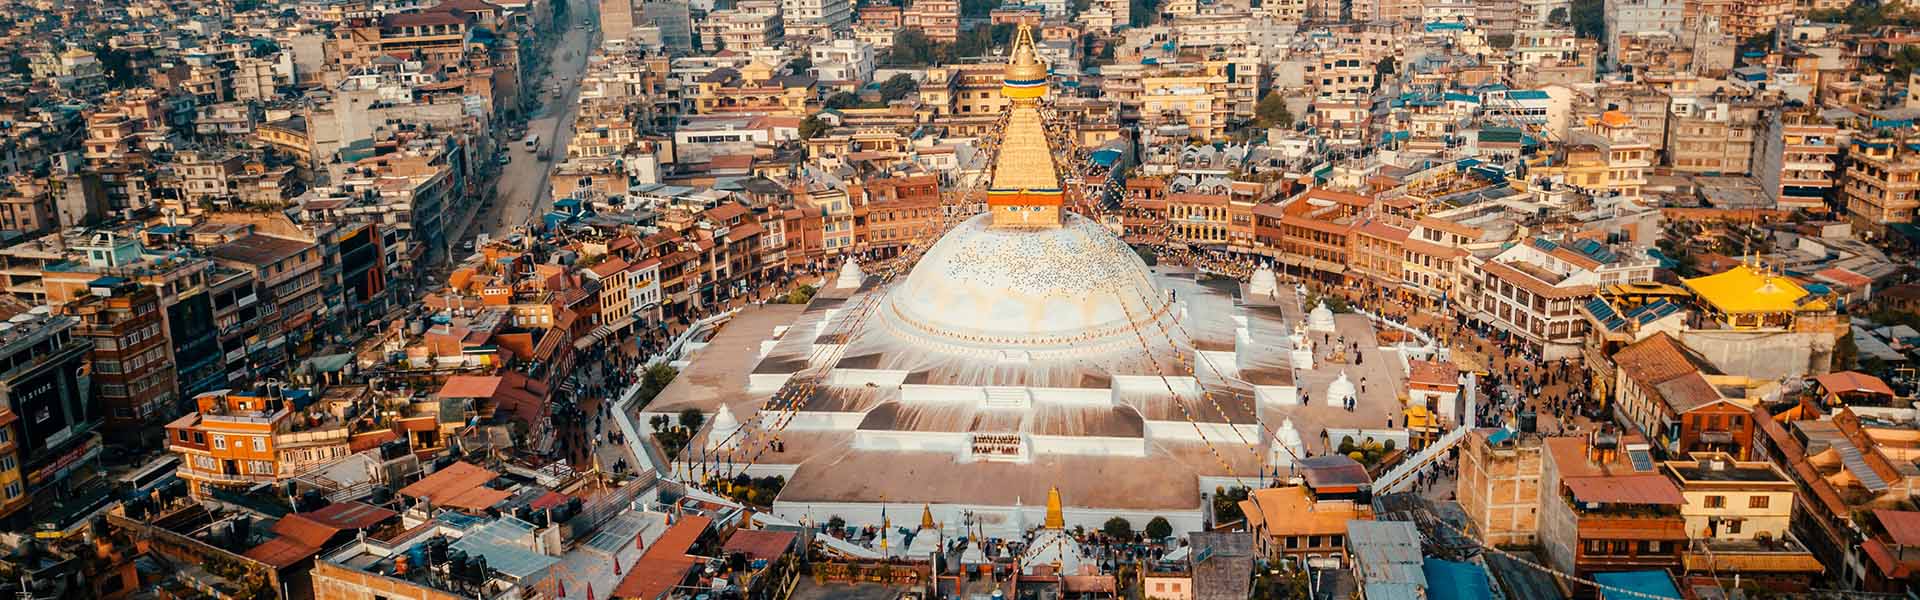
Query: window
point(1758, 501)
point(14, 490)
point(220, 442)
point(7, 463)
point(1716, 501)
point(1293, 542)
point(260, 444)
point(182, 433)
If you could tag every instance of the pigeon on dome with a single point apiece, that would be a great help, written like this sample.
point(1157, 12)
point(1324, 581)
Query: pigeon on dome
point(850, 275)
point(1321, 318)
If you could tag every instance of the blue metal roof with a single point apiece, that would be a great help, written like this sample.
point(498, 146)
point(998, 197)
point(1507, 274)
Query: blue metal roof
point(1603, 312)
point(1527, 95)
point(1105, 157)
point(1502, 435)
point(1446, 26)
point(1449, 580)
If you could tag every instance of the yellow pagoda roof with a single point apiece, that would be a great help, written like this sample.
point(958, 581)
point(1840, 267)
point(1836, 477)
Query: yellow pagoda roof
point(1745, 289)
point(1026, 159)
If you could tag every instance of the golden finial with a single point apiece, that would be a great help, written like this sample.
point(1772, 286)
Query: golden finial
point(926, 517)
point(1056, 516)
point(1026, 77)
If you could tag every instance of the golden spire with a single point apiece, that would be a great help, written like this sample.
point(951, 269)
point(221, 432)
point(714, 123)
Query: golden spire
point(1026, 77)
point(1025, 190)
point(1056, 516)
point(926, 517)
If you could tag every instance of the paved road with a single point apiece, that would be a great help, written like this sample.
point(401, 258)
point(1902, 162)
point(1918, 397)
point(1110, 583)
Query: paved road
point(522, 186)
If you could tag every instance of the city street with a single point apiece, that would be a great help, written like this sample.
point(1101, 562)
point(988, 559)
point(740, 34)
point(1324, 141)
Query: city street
point(523, 183)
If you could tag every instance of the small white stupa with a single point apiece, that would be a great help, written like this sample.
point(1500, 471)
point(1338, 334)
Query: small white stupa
point(1263, 282)
point(850, 275)
point(927, 540)
point(1287, 447)
point(1053, 547)
point(1340, 391)
point(1320, 319)
point(726, 432)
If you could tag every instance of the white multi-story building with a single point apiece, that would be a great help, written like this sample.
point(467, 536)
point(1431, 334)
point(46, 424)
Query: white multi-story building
point(843, 60)
point(1628, 17)
point(1532, 290)
point(823, 19)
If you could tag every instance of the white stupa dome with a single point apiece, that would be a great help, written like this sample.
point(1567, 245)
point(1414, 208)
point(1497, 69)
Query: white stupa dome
point(1321, 318)
point(1287, 445)
point(1073, 288)
point(725, 430)
point(1263, 282)
point(1340, 390)
point(850, 275)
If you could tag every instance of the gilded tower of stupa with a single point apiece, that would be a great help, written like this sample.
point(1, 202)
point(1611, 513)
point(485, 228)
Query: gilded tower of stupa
point(1025, 191)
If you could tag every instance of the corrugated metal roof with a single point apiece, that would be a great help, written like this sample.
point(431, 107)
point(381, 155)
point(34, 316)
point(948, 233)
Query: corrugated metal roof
point(1387, 554)
point(1628, 489)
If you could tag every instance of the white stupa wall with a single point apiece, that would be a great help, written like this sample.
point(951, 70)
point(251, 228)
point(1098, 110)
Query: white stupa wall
point(1225, 365)
point(820, 353)
point(808, 420)
point(912, 441)
point(1183, 385)
point(926, 392)
point(766, 383)
point(1073, 396)
point(1186, 431)
point(858, 377)
point(1088, 445)
point(1281, 395)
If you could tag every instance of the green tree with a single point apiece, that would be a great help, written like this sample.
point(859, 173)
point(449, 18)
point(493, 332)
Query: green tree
point(841, 100)
point(898, 87)
point(692, 419)
point(654, 379)
point(1589, 19)
point(1158, 529)
point(800, 65)
point(262, 48)
point(1272, 111)
point(974, 9)
point(1117, 528)
point(912, 48)
point(812, 127)
point(1558, 16)
point(1141, 13)
point(1226, 504)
